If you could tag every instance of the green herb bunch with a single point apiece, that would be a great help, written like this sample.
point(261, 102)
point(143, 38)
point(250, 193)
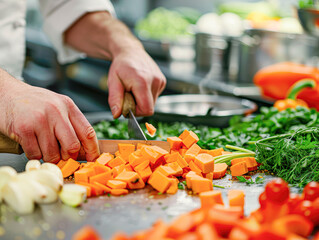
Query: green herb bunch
point(292, 157)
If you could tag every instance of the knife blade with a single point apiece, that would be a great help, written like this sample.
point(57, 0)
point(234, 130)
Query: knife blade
point(134, 129)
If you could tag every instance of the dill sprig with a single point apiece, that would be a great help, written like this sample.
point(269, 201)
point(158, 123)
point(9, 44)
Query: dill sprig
point(292, 157)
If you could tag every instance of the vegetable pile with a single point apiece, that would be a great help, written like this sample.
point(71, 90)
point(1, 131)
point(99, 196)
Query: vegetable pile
point(133, 167)
point(282, 215)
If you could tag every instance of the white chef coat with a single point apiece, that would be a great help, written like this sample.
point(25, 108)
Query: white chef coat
point(58, 16)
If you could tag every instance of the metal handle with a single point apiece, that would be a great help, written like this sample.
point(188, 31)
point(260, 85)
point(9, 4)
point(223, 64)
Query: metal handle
point(128, 104)
point(7, 145)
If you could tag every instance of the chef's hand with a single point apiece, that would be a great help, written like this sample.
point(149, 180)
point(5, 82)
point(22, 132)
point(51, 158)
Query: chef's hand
point(136, 72)
point(100, 35)
point(47, 125)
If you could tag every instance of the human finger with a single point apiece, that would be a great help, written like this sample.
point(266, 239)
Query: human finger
point(116, 94)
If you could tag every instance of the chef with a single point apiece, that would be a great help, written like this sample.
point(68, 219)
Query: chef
point(49, 125)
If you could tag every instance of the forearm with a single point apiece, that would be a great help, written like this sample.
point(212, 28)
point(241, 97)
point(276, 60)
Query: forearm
point(100, 35)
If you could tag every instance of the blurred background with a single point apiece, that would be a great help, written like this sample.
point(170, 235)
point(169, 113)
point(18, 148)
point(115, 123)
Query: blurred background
point(203, 46)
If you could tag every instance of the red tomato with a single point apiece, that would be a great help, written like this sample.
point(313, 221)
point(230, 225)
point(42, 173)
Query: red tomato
point(262, 200)
point(311, 191)
point(308, 209)
point(293, 201)
point(277, 191)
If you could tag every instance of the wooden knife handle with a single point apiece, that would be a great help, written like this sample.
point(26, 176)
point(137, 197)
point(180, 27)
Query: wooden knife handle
point(128, 104)
point(7, 145)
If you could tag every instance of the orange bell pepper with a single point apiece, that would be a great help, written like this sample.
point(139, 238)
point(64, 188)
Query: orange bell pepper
point(291, 101)
point(276, 80)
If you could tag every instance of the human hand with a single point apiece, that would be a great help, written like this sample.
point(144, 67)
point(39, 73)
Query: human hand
point(47, 125)
point(133, 70)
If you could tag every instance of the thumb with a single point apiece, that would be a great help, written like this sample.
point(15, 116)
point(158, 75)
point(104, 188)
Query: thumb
point(116, 94)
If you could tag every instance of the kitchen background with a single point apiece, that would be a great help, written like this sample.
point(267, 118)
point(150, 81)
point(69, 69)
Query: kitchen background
point(203, 46)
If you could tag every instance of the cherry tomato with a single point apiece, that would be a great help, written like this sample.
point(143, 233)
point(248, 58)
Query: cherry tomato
point(311, 191)
point(277, 191)
point(262, 200)
point(293, 201)
point(308, 209)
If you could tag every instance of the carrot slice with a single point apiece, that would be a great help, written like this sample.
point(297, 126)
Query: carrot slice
point(119, 192)
point(86, 233)
point(105, 188)
point(239, 169)
point(70, 167)
point(219, 170)
point(151, 129)
point(116, 184)
point(236, 198)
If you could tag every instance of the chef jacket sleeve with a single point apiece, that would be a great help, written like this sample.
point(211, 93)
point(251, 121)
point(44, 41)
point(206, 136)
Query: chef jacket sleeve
point(59, 15)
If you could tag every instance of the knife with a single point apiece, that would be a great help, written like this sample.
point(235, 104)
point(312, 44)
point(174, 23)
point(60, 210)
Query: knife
point(128, 111)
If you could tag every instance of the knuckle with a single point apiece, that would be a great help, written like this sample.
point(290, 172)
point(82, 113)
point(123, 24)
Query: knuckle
point(52, 159)
point(74, 147)
point(40, 118)
point(89, 133)
point(67, 100)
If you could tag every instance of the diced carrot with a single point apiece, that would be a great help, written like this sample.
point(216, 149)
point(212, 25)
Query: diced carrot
point(206, 232)
point(215, 152)
point(201, 185)
point(86, 233)
point(119, 192)
point(101, 178)
point(184, 134)
point(175, 143)
point(127, 176)
point(209, 176)
point(190, 139)
point(157, 232)
point(104, 158)
point(250, 161)
point(137, 184)
point(119, 236)
point(178, 171)
point(159, 181)
point(189, 177)
point(95, 189)
point(224, 219)
point(174, 151)
point(199, 216)
point(150, 128)
point(105, 188)
point(70, 167)
point(219, 170)
point(165, 170)
point(99, 168)
point(145, 173)
point(293, 223)
point(88, 164)
point(61, 163)
point(171, 157)
point(194, 167)
point(142, 166)
point(117, 170)
point(116, 162)
point(116, 184)
point(173, 187)
point(136, 158)
point(182, 224)
point(140, 145)
point(238, 169)
point(183, 151)
point(205, 162)
point(88, 190)
point(192, 152)
point(128, 167)
point(236, 198)
point(125, 150)
point(117, 153)
point(238, 234)
point(83, 174)
point(215, 195)
point(150, 154)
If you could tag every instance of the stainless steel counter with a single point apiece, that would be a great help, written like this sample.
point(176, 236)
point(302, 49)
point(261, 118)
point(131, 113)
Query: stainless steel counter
point(135, 211)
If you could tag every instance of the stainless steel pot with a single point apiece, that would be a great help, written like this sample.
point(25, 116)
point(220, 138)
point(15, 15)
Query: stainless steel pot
point(259, 48)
